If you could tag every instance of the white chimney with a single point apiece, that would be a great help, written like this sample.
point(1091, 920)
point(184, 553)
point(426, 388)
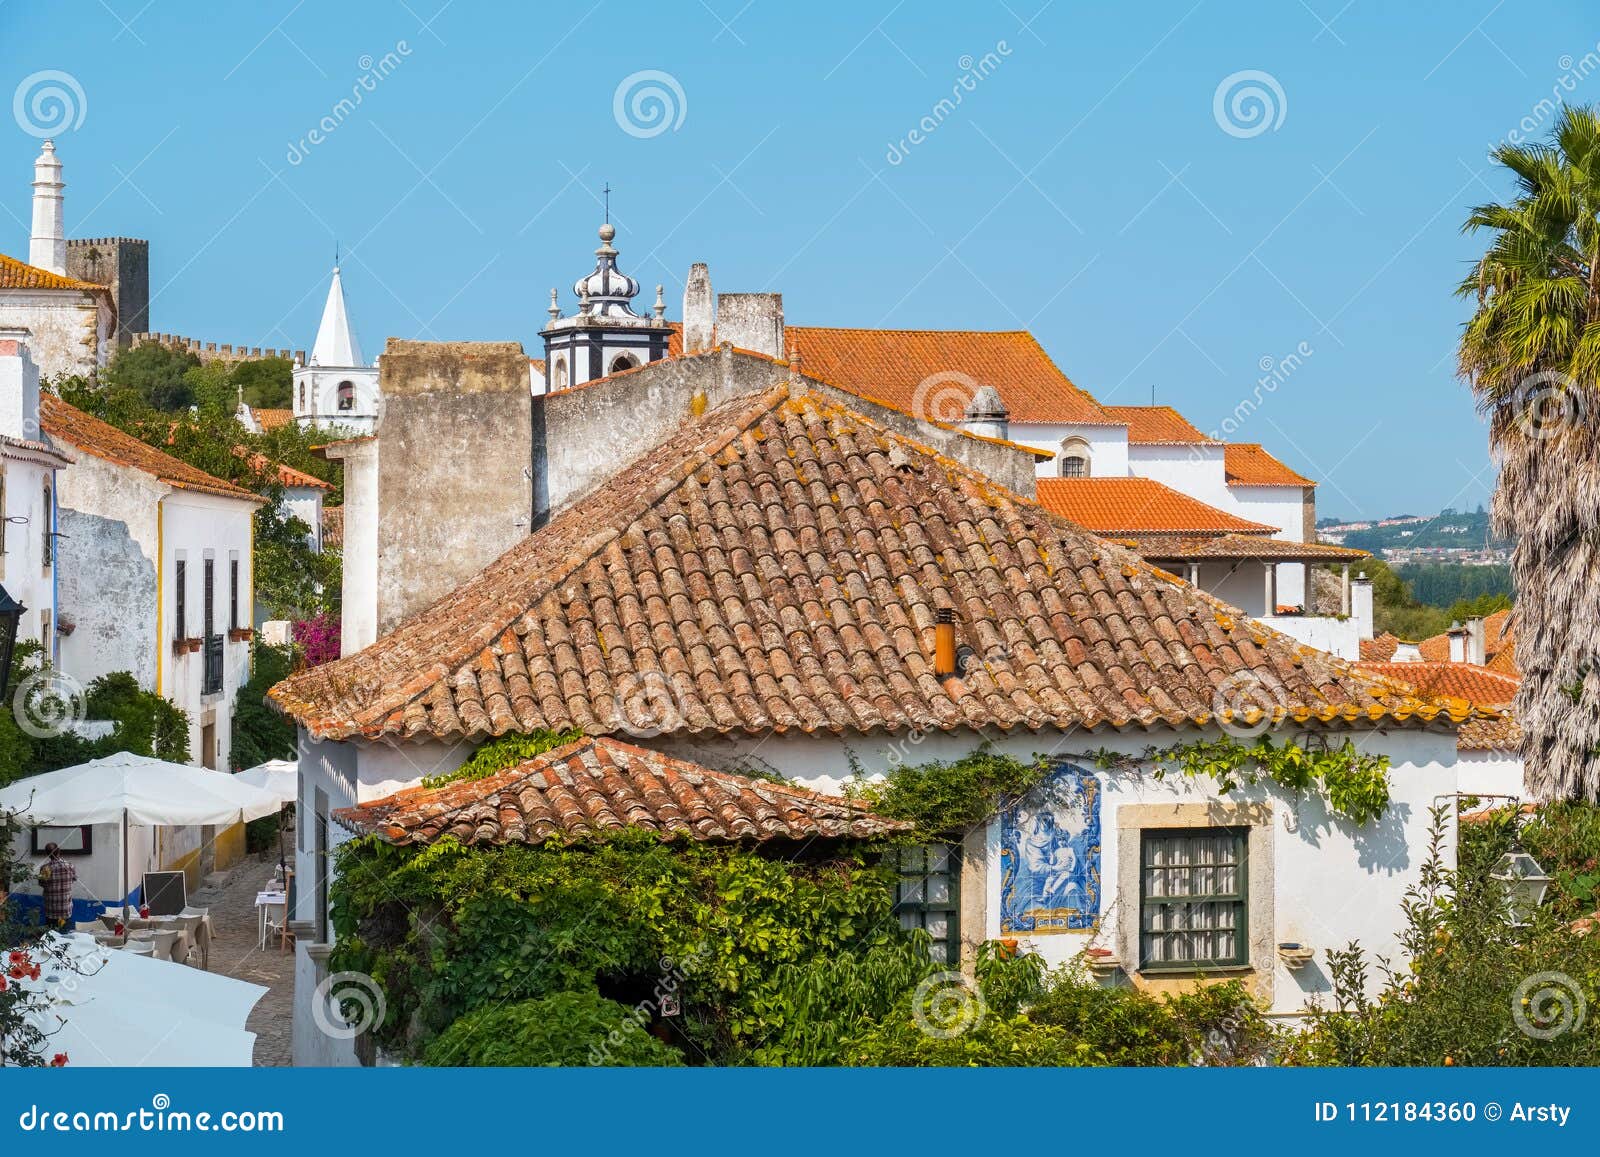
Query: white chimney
point(1361, 605)
point(1476, 651)
point(1458, 643)
point(699, 310)
point(47, 248)
point(751, 321)
point(19, 386)
point(986, 415)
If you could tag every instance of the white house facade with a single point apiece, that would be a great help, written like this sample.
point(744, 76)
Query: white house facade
point(155, 573)
point(29, 485)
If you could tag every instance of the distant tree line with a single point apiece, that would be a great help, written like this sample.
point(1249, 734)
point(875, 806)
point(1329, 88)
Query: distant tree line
point(1444, 584)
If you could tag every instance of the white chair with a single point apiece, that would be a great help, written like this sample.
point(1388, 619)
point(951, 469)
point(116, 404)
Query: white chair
point(140, 947)
point(89, 926)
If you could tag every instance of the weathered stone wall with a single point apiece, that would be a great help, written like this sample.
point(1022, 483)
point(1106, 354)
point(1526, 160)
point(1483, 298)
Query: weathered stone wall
point(68, 332)
point(123, 263)
point(453, 489)
point(210, 351)
point(582, 437)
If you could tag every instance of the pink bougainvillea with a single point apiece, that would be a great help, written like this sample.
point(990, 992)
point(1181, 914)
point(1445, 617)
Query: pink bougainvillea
point(318, 639)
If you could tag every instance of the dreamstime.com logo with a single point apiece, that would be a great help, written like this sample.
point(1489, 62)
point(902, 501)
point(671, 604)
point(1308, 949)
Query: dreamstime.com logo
point(1245, 704)
point(649, 102)
point(49, 703)
point(158, 1117)
point(338, 996)
point(48, 103)
point(942, 396)
point(1547, 1005)
point(1248, 103)
point(947, 1004)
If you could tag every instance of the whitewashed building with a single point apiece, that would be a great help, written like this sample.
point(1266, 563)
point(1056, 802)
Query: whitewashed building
point(790, 577)
point(154, 573)
point(71, 323)
point(29, 485)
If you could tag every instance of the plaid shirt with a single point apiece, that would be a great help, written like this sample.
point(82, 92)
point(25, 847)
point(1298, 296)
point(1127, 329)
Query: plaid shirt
point(58, 888)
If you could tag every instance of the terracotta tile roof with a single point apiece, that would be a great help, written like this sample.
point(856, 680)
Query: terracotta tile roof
point(272, 419)
point(333, 526)
point(934, 373)
point(15, 274)
point(103, 440)
point(1503, 734)
point(1477, 685)
point(1138, 507)
point(1158, 426)
point(1499, 644)
point(1247, 464)
point(594, 787)
point(776, 566)
point(1380, 649)
point(1232, 546)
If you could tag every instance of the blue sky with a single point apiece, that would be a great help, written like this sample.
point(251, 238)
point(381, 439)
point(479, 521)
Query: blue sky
point(1087, 186)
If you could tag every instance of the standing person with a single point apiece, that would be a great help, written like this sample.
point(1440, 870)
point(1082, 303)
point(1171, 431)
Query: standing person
point(57, 877)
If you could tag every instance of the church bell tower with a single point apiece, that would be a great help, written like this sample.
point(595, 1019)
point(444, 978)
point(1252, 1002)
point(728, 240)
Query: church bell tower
point(605, 336)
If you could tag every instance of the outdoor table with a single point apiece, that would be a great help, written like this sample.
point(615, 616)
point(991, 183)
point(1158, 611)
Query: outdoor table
point(264, 902)
point(194, 928)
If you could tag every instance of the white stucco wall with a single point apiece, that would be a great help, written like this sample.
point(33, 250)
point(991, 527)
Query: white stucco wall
point(69, 331)
point(358, 607)
point(1341, 637)
point(22, 565)
point(1108, 446)
point(319, 386)
point(196, 527)
point(1491, 773)
point(305, 503)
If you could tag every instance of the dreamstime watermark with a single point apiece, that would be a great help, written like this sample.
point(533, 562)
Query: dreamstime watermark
point(665, 1000)
point(1248, 103)
point(159, 1117)
point(942, 396)
point(1246, 704)
point(974, 71)
point(1274, 373)
point(346, 1004)
point(48, 103)
point(648, 103)
point(49, 703)
point(1573, 74)
point(947, 1004)
point(373, 73)
point(645, 704)
point(1547, 1005)
point(1547, 404)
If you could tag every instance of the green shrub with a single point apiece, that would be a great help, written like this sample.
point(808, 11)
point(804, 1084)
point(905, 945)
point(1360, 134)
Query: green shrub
point(564, 1028)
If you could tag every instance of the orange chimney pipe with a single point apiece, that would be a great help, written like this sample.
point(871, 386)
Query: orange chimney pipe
point(944, 644)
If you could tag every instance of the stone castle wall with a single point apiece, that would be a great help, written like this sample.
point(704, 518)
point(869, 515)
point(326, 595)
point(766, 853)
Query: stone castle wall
point(123, 264)
point(212, 352)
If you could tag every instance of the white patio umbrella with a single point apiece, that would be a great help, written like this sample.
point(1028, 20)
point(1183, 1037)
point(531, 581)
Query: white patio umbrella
point(136, 789)
point(281, 777)
point(114, 1008)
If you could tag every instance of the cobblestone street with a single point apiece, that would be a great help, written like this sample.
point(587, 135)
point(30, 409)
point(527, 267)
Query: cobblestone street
point(231, 897)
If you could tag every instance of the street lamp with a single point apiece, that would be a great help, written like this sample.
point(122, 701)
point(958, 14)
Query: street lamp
point(1525, 882)
point(10, 615)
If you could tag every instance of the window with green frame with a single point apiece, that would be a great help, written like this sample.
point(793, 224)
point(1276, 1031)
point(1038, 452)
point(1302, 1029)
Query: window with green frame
point(1193, 906)
point(928, 896)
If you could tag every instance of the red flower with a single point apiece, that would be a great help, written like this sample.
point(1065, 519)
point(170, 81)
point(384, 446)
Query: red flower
point(34, 975)
point(18, 972)
point(2, 984)
point(18, 957)
point(144, 911)
point(58, 1061)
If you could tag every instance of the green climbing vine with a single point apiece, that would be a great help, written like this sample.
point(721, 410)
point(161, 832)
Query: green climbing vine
point(948, 798)
point(1354, 783)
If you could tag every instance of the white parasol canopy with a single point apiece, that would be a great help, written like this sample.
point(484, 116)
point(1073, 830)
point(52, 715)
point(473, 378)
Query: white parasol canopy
point(138, 790)
point(280, 777)
point(114, 1008)
point(134, 789)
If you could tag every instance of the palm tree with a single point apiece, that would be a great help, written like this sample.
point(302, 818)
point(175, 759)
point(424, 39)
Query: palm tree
point(1531, 354)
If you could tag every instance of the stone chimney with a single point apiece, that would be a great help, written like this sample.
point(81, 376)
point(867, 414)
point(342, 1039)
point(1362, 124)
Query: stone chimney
point(47, 248)
point(750, 321)
point(1458, 642)
point(986, 415)
point(699, 310)
point(19, 386)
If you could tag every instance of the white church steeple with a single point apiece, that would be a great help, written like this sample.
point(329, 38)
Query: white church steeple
point(47, 247)
point(334, 390)
point(336, 343)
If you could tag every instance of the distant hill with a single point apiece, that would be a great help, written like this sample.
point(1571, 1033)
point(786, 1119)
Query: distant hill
point(1448, 530)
